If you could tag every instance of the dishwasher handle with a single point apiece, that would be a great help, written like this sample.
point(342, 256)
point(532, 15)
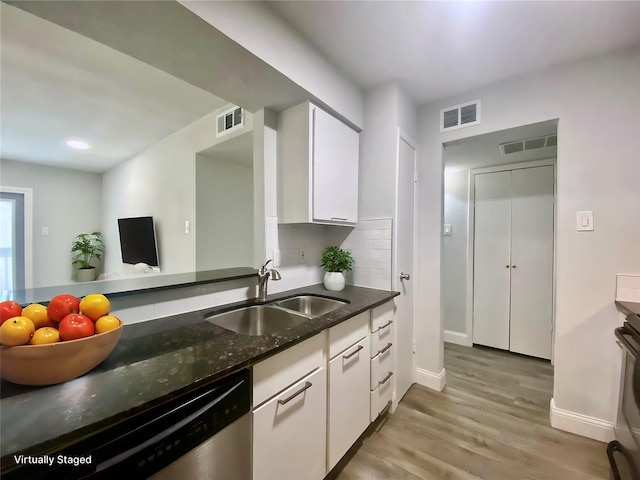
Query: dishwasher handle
point(160, 436)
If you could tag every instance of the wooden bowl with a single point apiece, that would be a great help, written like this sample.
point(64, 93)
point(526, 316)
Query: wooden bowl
point(56, 362)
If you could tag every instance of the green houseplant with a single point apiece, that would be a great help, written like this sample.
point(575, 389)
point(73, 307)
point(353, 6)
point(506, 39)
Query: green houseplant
point(335, 261)
point(87, 247)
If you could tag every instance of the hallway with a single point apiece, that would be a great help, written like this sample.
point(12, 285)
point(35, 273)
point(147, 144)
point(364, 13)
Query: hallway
point(491, 422)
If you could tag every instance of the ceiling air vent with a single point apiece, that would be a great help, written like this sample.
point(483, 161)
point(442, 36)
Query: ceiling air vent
point(534, 143)
point(459, 116)
point(528, 144)
point(229, 120)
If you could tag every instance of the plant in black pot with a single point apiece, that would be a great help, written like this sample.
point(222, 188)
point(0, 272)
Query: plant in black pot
point(86, 248)
point(335, 261)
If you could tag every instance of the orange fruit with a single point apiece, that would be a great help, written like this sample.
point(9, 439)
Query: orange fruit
point(45, 335)
point(107, 323)
point(16, 331)
point(38, 315)
point(95, 306)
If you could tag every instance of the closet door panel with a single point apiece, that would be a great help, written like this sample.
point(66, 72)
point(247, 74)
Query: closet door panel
point(491, 259)
point(532, 261)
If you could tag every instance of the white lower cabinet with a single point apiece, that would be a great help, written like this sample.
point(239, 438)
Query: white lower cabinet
point(289, 432)
point(312, 401)
point(348, 399)
point(382, 358)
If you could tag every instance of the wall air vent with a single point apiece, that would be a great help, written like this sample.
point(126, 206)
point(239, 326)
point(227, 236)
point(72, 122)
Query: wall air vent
point(229, 120)
point(459, 116)
point(528, 144)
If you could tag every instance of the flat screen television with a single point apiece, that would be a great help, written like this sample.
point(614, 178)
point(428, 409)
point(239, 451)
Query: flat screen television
point(138, 241)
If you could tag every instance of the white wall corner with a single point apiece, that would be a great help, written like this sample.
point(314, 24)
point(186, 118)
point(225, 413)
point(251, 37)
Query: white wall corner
point(458, 338)
point(434, 381)
point(581, 424)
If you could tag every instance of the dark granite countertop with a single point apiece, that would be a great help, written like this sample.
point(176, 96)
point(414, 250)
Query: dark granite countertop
point(129, 285)
point(630, 308)
point(153, 362)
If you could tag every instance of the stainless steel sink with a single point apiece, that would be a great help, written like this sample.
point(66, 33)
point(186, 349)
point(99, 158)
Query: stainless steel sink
point(311, 305)
point(258, 320)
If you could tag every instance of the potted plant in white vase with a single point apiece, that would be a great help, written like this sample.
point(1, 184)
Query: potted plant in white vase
point(87, 247)
point(335, 261)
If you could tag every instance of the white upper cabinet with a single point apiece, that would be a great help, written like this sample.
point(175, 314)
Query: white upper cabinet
point(317, 168)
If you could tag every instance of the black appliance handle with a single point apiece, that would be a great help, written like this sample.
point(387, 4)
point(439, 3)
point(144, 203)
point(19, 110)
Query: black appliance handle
point(620, 332)
point(145, 442)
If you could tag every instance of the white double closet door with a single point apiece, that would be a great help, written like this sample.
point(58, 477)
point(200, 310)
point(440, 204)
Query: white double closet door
point(513, 260)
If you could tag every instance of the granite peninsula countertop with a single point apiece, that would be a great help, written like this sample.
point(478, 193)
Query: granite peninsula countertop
point(129, 285)
point(153, 362)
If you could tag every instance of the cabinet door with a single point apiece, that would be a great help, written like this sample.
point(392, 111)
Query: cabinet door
point(335, 169)
point(492, 249)
point(289, 432)
point(348, 399)
point(532, 261)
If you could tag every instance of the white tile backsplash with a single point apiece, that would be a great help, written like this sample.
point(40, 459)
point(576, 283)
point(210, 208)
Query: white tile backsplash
point(370, 244)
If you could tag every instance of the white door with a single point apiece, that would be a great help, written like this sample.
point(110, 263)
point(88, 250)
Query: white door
point(405, 364)
point(492, 266)
point(532, 261)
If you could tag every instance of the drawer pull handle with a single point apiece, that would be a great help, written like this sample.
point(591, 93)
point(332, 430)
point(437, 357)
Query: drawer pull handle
point(346, 357)
point(385, 379)
point(307, 385)
point(384, 349)
point(385, 325)
point(338, 219)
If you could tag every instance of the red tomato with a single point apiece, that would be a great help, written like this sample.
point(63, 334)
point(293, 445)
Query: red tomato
point(62, 305)
point(9, 309)
point(75, 326)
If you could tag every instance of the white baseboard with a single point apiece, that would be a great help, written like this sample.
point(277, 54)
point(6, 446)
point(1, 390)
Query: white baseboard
point(456, 337)
point(581, 424)
point(435, 381)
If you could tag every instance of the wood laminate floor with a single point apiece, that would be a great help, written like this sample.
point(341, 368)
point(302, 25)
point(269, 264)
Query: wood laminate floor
point(491, 422)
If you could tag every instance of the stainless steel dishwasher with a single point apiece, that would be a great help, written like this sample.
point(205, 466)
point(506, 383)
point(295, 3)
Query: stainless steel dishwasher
point(202, 435)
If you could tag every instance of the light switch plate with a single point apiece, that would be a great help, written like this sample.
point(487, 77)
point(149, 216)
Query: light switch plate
point(447, 229)
point(584, 221)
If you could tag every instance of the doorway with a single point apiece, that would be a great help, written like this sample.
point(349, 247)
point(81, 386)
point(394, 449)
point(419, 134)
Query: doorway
point(404, 277)
point(481, 157)
point(15, 239)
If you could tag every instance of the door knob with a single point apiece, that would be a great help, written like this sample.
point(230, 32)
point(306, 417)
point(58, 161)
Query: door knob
point(405, 276)
point(513, 266)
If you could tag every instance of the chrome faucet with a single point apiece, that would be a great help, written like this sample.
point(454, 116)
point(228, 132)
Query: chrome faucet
point(263, 277)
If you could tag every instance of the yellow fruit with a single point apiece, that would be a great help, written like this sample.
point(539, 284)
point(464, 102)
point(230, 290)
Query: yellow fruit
point(106, 323)
point(45, 335)
point(38, 315)
point(16, 331)
point(95, 306)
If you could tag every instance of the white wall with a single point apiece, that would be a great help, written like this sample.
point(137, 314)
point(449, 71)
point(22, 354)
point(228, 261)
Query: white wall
point(66, 201)
point(266, 35)
point(454, 272)
point(386, 108)
point(161, 182)
point(224, 210)
point(597, 103)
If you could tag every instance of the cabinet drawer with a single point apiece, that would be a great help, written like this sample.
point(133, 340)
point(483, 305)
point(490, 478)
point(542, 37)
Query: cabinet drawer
point(348, 399)
point(289, 432)
point(381, 338)
point(380, 397)
point(274, 374)
point(381, 366)
point(347, 333)
point(382, 316)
